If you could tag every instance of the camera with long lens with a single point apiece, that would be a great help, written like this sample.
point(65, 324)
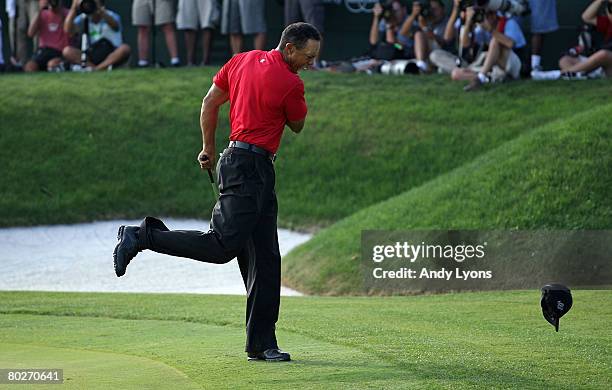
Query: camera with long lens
point(398, 67)
point(510, 7)
point(88, 7)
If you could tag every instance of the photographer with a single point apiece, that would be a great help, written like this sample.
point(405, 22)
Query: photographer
point(501, 61)
point(386, 42)
point(463, 39)
point(430, 31)
point(106, 47)
point(52, 38)
point(600, 63)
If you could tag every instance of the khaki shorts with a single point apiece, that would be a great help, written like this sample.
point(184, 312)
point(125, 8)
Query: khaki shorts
point(243, 17)
point(142, 12)
point(194, 14)
point(511, 71)
point(513, 66)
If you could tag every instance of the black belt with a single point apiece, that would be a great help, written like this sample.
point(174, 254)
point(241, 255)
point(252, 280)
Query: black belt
point(252, 148)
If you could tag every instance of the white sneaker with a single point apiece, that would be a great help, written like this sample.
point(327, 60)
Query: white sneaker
point(597, 73)
point(58, 68)
point(79, 68)
point(573, 76)
point(540, 75)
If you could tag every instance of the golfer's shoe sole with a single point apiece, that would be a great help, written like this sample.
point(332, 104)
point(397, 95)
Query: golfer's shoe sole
point(119, 268)
point(280, 359)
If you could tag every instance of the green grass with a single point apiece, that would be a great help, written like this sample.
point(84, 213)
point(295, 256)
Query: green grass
point(461, 341)
point(78, 147)
point(554, 176)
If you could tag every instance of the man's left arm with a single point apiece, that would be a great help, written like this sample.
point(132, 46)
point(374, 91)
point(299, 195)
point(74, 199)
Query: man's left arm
point(295, 108)
point(107, 16)
point(502, 38)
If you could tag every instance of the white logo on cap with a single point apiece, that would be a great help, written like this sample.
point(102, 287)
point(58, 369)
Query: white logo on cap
point(262, 60)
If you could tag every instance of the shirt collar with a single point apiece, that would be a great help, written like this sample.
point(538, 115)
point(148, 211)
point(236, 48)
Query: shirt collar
point(278, 54)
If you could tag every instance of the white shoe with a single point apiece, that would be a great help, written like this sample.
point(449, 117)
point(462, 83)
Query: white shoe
point(79, 68)
point(540, 75)
point(597, 73)
point(573, 76)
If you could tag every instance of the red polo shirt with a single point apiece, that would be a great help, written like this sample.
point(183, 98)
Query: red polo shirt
point(605, 27)
point(264, 94)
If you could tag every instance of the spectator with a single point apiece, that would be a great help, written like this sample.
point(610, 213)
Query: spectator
point(1, 50)
point(501, 61)
point(244, 17)
point(24, 11)
point(386, 42)
point(47, 25)
point(600, 63)
point(142, 15)
point(309, 11)
point(106, 47)
point(193, 15)
point(430, 33)
point(543, 21)
point(464, 43)
point(12, 14)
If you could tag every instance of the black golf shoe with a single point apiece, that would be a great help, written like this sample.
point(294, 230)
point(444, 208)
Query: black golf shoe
point(126, 248)
point(270, 355)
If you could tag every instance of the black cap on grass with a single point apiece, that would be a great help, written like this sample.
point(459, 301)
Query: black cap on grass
point(556, 301)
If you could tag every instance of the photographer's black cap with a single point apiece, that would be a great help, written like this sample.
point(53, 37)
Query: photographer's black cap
point(556, 301)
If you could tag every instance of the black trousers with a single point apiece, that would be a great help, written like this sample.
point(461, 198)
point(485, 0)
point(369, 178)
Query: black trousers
point(243, 225)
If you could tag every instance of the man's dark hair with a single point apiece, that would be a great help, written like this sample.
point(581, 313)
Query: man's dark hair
point(298, 34)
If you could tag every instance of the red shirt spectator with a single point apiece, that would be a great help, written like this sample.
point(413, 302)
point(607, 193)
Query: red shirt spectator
point(51, 33)
point(257, 118)
point(604, 26)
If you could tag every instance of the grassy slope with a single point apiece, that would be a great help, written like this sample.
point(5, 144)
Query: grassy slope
point(97, 146)
point(471, 340)
point(555, 176)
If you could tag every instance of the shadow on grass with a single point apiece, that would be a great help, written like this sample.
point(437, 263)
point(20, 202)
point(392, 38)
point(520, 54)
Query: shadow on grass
point(364, 373)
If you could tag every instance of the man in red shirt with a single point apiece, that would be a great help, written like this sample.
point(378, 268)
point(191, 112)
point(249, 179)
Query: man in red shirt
point(603, 57)
point(266, 94)
point(49, 26)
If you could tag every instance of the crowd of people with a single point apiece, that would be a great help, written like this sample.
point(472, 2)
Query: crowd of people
point(481, 44)
point(89, 36)
point(470, 41)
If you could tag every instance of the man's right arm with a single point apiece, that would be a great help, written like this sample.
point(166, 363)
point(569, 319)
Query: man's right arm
point(449, 31)
point(69, 26)
point(376, 12)
point(209, 113)
point(35, 24)
point(466, 36)
point(590, 14)
point(406, 28)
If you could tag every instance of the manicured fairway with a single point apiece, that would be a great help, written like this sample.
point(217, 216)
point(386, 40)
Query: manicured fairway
point(460, 341)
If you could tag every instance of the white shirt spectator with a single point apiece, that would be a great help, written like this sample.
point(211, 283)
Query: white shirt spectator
point(101, 30)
